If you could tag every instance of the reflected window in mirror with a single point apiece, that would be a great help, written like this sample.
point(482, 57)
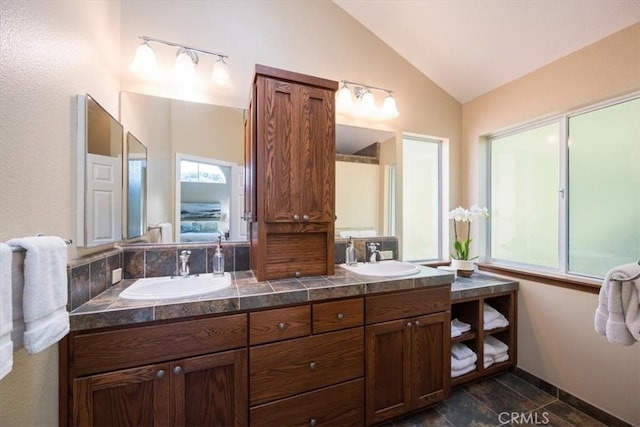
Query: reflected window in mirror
point(136, 175)
point(422, 199)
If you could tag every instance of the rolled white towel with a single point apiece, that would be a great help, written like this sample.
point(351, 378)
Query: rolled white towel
point(459, 364)
point(461, 351)
point(499, 322)
point(494, 347)
point(457, 373)
point(455, 332)
point(460, 325)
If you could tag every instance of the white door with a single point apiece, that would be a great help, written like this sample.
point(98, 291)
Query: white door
point(238, 224)
point(104, 199)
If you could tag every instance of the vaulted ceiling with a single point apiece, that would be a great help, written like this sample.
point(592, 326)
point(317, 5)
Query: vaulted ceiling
point(470, 47)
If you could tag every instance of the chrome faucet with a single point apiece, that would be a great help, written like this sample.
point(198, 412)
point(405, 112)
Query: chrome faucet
point(184, 263)
point(374, 253)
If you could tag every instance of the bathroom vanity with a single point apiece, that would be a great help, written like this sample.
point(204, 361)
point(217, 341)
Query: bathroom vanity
point(327, 350)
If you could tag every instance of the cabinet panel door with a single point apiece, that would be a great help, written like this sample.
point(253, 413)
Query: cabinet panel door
point(317, 154)
point(211, 390)
point(277, 152)
point(388, 370)
point(431, 359)
point(131, 397)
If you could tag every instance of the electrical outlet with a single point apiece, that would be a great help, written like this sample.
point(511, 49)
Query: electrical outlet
point(116, 276)
point(386, 254)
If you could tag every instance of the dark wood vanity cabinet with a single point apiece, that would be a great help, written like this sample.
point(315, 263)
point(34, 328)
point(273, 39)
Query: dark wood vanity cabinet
point(161, 375)
point(407, 352)
point(290, 157)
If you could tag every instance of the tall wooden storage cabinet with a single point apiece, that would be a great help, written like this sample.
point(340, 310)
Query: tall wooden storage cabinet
point(290, 169)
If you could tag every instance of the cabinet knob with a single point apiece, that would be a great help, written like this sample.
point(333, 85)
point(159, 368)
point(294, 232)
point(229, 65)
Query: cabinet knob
point(177, 370)
point(305, 217)
point(313, 422)
point(340, 316)
point(312, 365)
point(282, 326)
point(296, 217)
point(297, 274)
point(408, 324)
point(160, 374)
point(417, 323)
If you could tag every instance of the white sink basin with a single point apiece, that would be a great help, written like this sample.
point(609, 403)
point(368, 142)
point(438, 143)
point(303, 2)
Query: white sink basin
point(389, 268)
point(175, 287)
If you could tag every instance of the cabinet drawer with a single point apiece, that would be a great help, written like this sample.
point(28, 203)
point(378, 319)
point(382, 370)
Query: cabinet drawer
point(296, 254)
point(110, 350)
point(340, 405)
point(279, 324)
point(282, 369)
point(381, 308)
point(336, 315)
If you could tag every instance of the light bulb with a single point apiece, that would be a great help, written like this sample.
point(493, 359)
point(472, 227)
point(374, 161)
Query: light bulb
point(344, 100)
point(220, 74)
point(144, 61)
point(185, 65)
point(367, 103)
point(389, 107)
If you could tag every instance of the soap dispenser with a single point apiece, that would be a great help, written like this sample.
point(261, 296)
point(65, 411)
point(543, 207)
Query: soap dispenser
point(350, 256)
point(218, 260)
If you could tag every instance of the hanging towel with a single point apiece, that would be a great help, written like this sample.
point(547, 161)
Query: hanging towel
point(45, 291)
point(458, 373)
point(6, 312)
point(166, 232)
point(459, 364)
point(618, 312)
point(460, 325)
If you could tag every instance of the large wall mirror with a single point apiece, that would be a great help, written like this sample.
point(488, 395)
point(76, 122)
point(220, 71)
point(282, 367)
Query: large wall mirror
point(99, 175)
point(194, 170)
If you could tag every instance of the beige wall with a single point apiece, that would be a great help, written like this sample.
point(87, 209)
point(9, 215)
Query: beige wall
point(556, 340)
point(50, 53)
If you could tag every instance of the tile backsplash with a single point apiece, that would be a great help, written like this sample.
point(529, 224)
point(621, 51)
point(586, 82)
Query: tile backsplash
point(89, 276)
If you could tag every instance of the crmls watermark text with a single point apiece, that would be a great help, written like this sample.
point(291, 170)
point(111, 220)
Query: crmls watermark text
point(524, 418)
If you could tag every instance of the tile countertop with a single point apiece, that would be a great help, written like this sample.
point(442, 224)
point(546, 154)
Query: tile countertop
point(246, 293)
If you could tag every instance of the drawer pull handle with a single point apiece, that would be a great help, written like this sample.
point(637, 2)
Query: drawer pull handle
point(312, 365)
point(313, 422)
point(160, 374)
point(340, 316)
point(298, 274)
point(296, 217)
point(177, 370)
point(408, 324)
point(417, 323)
point(305, 217)
point(282, 326)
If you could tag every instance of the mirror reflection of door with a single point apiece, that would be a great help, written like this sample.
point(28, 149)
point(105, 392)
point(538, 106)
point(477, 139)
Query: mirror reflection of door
point(136, 187)
point(208, 199)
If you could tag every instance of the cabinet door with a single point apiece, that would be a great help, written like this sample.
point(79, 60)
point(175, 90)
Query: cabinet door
point(211, 390)
point(130, 397)
point(277, 151)
point(388, 370)
point(430, 359)
point(317, 154)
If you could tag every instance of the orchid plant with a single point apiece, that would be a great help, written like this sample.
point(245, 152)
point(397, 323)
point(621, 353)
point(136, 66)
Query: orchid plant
point(460, 214)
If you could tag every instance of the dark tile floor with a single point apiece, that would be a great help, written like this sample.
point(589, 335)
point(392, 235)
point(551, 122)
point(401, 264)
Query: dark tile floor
point(504, 400)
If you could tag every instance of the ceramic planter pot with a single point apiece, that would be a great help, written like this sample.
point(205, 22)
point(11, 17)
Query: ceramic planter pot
point(463, 268)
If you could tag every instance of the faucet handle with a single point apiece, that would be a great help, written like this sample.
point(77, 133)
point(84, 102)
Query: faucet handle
point(185, 254)
point(373, 245)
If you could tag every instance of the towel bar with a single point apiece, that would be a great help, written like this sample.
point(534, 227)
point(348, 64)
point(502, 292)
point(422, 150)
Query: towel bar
point(18, 249)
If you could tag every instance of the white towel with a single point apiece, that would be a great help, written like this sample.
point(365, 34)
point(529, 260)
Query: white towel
point(457, 373)
point(6, 312)
point(459, 364)
point(489, 313)
point(455, 332)
point(500, 322)
point(618, 312)
point(166, 232)
point(488, 361)
point(501, 358)
point(461, 351)
point(494, 347)
point(44, 297)
point(460, 325)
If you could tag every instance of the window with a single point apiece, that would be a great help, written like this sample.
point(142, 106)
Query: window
point(421, 181)
point(201, 172)
point(564, 194)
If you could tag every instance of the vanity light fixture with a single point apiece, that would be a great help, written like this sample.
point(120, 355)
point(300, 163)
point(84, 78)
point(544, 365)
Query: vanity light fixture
point(364, 103)
point(144, 61)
